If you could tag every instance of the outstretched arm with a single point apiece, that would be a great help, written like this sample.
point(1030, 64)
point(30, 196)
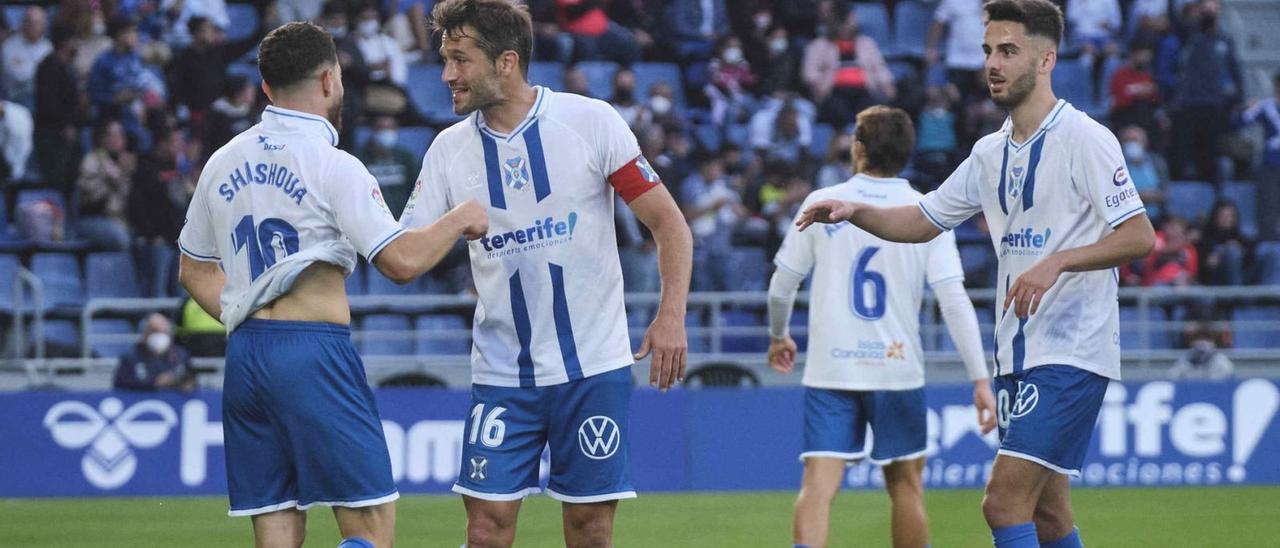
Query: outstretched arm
point(905, 224)
point(419, 249)
point(666, 335)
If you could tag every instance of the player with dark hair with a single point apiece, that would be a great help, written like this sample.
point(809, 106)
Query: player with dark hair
point(551, 363)
point(1063, 214)
point(272, 231)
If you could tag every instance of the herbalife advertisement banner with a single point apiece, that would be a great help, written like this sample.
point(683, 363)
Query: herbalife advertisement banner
point(1148, 434)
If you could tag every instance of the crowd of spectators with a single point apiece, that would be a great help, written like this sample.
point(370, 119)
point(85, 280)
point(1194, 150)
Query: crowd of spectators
point(116, 104)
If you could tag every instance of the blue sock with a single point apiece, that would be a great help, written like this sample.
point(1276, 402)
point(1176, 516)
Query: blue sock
point(1070, 541)
point(355, 542)
point(1022, 535)
point(799, 546)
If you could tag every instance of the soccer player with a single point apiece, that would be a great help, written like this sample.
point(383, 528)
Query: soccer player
point(551, 362)
point(1063, 214)
point(865, 364)
point(274, 226)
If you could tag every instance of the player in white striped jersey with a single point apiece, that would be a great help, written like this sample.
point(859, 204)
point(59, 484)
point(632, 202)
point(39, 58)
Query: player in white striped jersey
point(277, 218)
point(1063, 214)
point(865, 364)
point(551, 356)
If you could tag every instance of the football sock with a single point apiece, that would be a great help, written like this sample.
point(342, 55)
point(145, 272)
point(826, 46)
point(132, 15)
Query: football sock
point(1022, 535)
point(355, 542)
point(1070, 541)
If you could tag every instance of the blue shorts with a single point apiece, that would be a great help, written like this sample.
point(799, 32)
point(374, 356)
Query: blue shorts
point(1047, 413)
point(583, 422)
point(299, 421)
point(835, 424)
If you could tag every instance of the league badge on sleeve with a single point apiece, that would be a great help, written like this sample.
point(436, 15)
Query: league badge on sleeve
point(377, 198)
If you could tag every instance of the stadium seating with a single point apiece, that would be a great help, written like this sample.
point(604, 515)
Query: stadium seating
point(244, 21)
point(599, 75)
point(743, 343)
point(60, 273)
point(873, 21)
point(547, 73)
point(1130, 330)
point(1072, 81)
point(1256, 326)
point(430, 324)
point(109, 348)
point(910, 25)
point(821, 136)
point(721, 375)
point(1268, 260)
point(9, 266)
point(1190, 200)
point(110, 275)
point(748, 268)
point(648, 74)
point(57, 333)
point(374, 345)
point(356, 283)
point(1245, 195)
point(698, 342)
point(429, 95)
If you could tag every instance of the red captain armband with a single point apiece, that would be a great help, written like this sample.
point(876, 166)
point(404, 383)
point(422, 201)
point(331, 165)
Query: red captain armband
point(633, 179)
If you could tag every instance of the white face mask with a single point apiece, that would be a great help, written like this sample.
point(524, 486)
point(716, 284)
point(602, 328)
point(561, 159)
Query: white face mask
point(1134, 151)
point(733, 55)
point(367, 28)
point(660, 105)
point(778, 45)
point(158, 343)
point(386, 138)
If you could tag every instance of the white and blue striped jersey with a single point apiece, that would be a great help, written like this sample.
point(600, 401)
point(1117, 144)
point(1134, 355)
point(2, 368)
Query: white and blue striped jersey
point(549, 280)
point(1065, 187)
point(276, 199)
point(864, 316)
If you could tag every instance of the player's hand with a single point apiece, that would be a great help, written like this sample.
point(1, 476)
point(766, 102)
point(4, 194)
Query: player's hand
point(1027, 291)
point(474, 218)
point(670, 346)
point(826, 211)
point(985, 402)
point(782, 354)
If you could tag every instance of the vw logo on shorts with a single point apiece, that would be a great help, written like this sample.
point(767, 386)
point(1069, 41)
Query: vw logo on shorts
point(599, 437)
point(1028, 397)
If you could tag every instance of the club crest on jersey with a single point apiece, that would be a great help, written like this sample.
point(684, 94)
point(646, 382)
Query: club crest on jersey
point(517, 175)
point(479, 468)
point(1015, 181)
point(646, 170)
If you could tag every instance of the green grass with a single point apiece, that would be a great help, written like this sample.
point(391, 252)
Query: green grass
point(1217, 517)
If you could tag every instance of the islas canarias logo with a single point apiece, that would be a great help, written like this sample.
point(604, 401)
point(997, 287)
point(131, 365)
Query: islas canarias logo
point(110, 432)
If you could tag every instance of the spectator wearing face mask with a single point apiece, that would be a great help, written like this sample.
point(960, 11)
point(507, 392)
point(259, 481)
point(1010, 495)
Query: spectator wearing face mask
point(1203, 360)
point(663, 105)
point(394, 167)
point(731, 85)
point(838, 166)
point(1147, 169)
point(778, 65)
point(155, 363)
point(624, 101)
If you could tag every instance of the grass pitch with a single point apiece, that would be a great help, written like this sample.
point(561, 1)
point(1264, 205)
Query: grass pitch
point(1188, 517)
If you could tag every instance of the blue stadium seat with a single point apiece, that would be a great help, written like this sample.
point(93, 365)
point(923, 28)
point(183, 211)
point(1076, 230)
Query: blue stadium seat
point(1130, 331)
point(1261, 329)
point(9, 266)
point(429, 95)
point(111, 275)
point(244, 21)
point(1245, 195)
point(1190, 200)
point(356, 283)
point(1268, 260)
point(60, 273)
point(599, 76)
point(62, 333)
point(820, 137)
point(910, 25)
point(1073, 82)
point(873, 21)
point(416, 139)
point(648, 74)
point(547, 74)
point(377, 284)
point(375, 323)
point(743, 343)
point(109, 348)
point(699, 343)
point(36, 194)
point(799, 319)
point(437, 345)
point(748, 268)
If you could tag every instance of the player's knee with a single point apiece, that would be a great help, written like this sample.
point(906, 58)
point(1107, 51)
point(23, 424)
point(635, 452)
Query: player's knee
point(815, 493)
point(997, 509)
point(588, 532)
point(484, 530)
point(902, 479)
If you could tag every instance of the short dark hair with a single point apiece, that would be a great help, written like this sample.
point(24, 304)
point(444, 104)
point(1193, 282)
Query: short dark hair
point(194, 24)
point(500, 25)
point(121, 25)
point(290, 53)
point(888, 137)
point(1041, 17)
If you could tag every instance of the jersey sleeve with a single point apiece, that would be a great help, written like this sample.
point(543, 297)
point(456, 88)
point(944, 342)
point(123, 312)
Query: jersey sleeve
point(197, 239)
point(358, 207)
point(796, 253)
point(944, 260)
point(627, 170)
point(430, 197)
point(956, 199)
point(1099, 172)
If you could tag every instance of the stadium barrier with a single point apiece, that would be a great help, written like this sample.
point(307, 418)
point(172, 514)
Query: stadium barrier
point(1149, 434)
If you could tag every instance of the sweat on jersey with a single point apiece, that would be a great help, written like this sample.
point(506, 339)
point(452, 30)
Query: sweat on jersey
point(864, 333)
point(549, 280)
point(1065, 187)
point(276, 199)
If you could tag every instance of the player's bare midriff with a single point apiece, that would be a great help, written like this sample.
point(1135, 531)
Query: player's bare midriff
point(318, 295)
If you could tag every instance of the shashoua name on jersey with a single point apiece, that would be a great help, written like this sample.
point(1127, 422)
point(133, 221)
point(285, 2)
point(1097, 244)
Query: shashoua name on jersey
point(864, 334)
point(276, 199)
point(1065, 187)
point(550, 304)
